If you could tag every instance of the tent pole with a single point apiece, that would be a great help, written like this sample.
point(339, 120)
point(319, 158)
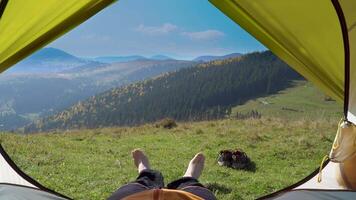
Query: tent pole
point(345, 37)
point(3, 4)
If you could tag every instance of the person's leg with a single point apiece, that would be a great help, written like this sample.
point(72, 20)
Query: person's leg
point(147, 179)
point(189, 182)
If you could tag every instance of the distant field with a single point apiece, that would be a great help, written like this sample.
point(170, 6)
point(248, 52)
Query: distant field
point(301, 101)
point(285, 145)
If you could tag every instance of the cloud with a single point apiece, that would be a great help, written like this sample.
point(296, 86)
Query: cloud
point(167, 28)
point(157, 30)
point(204, 35)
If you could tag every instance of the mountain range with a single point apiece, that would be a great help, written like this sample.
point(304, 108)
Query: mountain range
point(209, 58)
point(52, 60)
point(51, 80)
point(204, 91)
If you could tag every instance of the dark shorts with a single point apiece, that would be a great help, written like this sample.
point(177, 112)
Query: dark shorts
point(152, 179)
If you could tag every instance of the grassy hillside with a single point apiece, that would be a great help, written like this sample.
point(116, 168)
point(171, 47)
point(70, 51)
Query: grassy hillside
point(90, 164)
point(300, 101)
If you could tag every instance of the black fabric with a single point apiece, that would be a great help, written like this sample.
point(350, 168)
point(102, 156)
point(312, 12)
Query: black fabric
point(152, 179)
point(193, 186)
point(184, 182)
point(127, 190)
point(201, 192)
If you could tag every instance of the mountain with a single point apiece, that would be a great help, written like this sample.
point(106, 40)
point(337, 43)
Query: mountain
point(114, 59)
point(126, 72)
point(206, 91)
point(28, 96)
point(161, 57)
point(212, 58)
point(48, 60)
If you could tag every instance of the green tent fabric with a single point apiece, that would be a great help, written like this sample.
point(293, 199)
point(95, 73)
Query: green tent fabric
point(26, 26)
point(349, 11)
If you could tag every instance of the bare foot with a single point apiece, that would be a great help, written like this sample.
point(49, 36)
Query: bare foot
point(196, 166)
point(140, 160)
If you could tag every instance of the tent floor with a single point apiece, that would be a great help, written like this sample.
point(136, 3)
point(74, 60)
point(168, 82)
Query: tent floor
point(18, 192)
point(317, 195)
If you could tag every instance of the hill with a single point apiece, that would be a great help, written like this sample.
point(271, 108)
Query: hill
point(91, 164)
point(161, 57)
point(207, 91)
point(48, 60)
point(117, 59)
point(300, 101)
point(120, 73)
point(26, 96)
point(114, 59)
point(209, 58)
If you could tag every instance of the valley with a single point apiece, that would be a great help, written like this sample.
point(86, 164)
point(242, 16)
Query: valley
point(52, 80)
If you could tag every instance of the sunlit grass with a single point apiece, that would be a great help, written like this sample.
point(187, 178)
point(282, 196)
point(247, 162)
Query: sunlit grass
point(90, 164)
point(302, 101)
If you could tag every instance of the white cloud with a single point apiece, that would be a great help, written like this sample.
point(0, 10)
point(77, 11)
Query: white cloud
point(157, 30)
point(204, 35)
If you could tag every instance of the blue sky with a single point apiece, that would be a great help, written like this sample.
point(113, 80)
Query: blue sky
point(178, 28)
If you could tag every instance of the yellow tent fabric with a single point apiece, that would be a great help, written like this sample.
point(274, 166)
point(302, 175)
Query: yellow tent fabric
point(26, 26)
point(349, 10)
point(305, 34)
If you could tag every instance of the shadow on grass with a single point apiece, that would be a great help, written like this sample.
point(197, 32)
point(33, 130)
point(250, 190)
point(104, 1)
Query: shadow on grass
point(218, 188)
point(251, 167)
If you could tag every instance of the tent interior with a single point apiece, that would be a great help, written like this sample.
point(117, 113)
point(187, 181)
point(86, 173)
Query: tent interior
point(320, 44)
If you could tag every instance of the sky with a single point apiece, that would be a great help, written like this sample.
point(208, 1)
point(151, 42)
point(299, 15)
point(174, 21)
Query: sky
point(182, 29)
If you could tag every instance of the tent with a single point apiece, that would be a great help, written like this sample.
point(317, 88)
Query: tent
point(315, 37)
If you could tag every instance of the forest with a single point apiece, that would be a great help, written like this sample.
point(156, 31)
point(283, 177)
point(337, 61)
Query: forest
point(203, 92)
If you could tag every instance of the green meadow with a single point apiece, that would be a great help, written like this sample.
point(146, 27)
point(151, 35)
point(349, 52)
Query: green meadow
point(285, 145)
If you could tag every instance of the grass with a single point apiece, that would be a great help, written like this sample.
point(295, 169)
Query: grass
point(302, 100)
point(91, 164)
